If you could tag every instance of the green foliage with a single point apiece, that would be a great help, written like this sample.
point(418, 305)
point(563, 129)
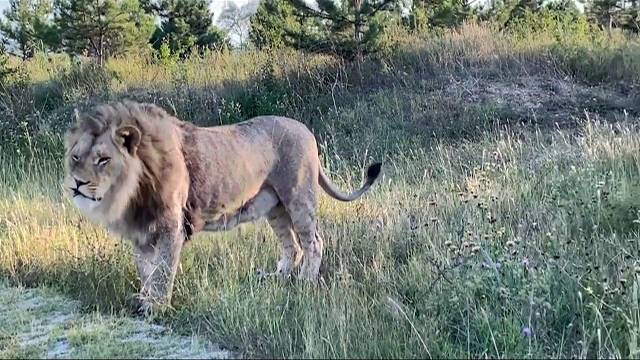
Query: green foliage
point(102, 28)
point(84, 80)
point(16, 127)
point(268, 95)
point(272, 22)
point(187, 24)
point(504, 12)
point(438, 14)
point(347, 28)
point(34, 115)
point(562, 24)
point(599, 62)
point(5, 70)
point(28, 23)
point(165, 55)
point(615, 14)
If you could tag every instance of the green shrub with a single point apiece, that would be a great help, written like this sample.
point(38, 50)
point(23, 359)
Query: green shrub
point(561, 26)
point(268, 95)
point(85, 80)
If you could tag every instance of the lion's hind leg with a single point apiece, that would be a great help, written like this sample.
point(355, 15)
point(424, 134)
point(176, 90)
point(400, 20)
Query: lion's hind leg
point(299, 196)
point(280, 222)
point(305, 224)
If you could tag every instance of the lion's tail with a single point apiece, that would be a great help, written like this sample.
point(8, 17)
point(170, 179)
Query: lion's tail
point(372, 174)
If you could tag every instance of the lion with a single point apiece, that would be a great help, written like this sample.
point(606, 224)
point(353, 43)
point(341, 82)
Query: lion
point(156, 180)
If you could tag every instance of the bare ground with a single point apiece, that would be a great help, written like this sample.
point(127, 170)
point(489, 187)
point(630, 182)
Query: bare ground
point(38, 323)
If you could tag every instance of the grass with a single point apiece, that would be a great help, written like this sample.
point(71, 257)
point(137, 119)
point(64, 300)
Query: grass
point(506, 223)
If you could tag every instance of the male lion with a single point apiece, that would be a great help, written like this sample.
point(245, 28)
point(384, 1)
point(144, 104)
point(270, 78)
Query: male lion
point(157, 180)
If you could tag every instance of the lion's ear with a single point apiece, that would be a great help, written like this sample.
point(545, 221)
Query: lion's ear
point(128, 137)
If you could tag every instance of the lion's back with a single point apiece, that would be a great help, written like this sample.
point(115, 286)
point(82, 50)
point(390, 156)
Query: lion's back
point(285, 133)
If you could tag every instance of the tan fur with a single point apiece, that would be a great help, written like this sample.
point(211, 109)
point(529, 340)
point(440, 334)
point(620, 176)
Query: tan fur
point(165, 180)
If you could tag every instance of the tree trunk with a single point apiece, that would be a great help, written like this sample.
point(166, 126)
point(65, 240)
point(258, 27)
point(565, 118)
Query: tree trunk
point(357, 28)
point(101, 54)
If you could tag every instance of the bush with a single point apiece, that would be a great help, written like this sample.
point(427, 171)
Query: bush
point(561, 26)
point(599, 63)
point(85, 80)
point(37, 111)
point(268, 95)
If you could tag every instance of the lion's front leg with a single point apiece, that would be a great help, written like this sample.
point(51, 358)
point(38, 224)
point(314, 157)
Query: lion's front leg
point(157, 262)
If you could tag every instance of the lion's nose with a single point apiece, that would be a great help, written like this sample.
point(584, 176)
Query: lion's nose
point(80, 182)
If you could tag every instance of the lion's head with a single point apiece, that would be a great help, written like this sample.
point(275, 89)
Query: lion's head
point(113, 153)
point(101, 162)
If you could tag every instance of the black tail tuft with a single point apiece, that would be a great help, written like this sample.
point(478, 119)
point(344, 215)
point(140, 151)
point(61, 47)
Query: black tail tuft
point(373, 172)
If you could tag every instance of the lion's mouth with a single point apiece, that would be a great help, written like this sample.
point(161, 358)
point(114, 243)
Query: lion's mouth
point(77, 192)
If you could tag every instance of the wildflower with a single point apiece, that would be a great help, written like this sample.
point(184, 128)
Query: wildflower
point(526, 331)
point(589, 290)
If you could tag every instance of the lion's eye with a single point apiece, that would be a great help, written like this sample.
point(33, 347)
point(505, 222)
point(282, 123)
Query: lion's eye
point(103, 161)
point(75, 158)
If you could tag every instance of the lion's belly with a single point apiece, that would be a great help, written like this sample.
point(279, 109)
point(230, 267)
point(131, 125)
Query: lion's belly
point(252, 209)
point(230, 197)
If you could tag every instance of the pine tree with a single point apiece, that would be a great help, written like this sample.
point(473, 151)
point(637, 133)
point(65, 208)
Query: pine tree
point(615, 14)
point(272, 22)
point(27, 23)
point(438, 13)
point(102, 28)
point(185, 24)
point(347, 27)
point(505, 13)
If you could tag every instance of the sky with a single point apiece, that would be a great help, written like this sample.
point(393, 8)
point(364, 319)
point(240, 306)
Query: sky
point(218, 5)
